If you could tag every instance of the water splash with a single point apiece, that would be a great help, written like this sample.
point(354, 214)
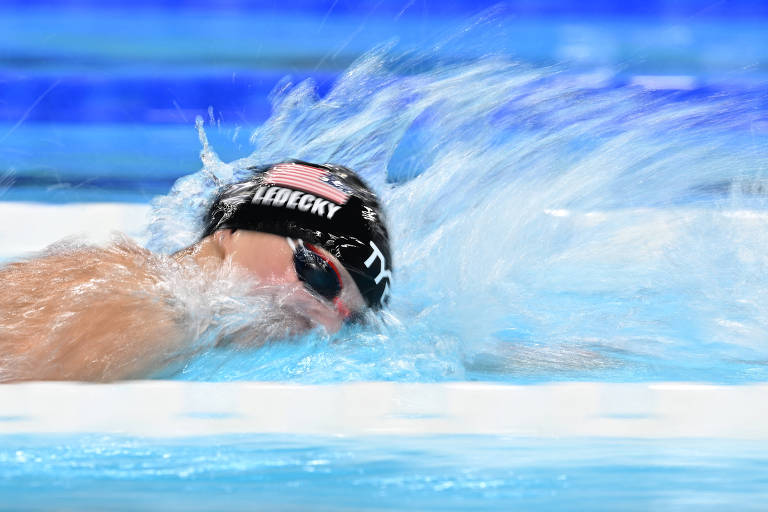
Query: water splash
point(544, 226)
point(6, 181)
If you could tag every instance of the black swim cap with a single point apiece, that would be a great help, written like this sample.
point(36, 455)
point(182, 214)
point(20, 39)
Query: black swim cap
point(326, 205)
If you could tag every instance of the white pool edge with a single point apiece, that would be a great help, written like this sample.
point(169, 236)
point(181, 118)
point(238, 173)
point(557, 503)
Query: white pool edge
point(561, 410)
point(28, 227)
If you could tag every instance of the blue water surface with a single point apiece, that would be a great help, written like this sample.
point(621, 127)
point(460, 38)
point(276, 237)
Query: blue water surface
point(423, 473)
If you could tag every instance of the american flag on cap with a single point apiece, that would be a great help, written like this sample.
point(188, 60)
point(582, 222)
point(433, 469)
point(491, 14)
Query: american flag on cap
point(308, 178)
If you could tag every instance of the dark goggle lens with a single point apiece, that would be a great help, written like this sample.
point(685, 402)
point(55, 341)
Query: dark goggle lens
point(317, 273)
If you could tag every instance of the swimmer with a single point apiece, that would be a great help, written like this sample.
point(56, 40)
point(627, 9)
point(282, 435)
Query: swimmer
point(312, 237)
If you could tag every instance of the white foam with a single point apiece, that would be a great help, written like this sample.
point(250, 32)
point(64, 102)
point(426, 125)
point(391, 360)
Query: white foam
point(572, 410)
point(29, 227)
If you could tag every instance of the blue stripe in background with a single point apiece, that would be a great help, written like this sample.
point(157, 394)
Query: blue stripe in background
point(726, 8)
point(99, 97)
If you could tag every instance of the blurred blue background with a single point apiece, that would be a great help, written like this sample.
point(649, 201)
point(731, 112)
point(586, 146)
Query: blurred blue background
point(98, 98)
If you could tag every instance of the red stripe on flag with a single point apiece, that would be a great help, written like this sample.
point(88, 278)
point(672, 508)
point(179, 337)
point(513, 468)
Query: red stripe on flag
point(296, 167)
point(286, 174)
point(322, 191)
point(305, 178)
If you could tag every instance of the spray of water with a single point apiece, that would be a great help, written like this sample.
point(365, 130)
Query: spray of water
point(544, 225)
point(6, 180)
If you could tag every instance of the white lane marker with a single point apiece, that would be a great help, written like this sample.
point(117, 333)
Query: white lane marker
point(574, 410)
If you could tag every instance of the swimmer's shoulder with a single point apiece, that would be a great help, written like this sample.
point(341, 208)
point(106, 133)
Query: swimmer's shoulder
point(69, 262)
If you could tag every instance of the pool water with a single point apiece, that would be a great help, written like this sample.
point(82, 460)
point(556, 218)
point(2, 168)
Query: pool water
point(575, 194)
point(421, 473)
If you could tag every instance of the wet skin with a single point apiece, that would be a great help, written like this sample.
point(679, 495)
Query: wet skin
point(107, 313)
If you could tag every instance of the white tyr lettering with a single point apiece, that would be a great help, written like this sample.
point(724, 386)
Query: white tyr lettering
point(383, 272)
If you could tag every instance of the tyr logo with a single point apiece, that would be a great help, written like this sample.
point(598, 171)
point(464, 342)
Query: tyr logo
point(384, 273)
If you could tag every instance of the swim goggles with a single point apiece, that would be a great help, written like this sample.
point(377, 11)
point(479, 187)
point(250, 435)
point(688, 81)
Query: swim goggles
point(319, 274)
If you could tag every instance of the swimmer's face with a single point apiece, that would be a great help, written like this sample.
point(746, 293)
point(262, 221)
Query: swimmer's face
point(269, 260)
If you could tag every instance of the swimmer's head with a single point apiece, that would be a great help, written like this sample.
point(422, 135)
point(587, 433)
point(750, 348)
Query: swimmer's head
point(326, 214)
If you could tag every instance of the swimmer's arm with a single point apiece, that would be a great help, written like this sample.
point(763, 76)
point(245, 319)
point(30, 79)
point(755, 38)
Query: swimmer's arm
point(89, 314)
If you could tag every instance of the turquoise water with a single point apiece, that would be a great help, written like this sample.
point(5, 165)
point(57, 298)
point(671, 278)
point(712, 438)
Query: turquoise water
point(571, 198)
point(423, 473)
